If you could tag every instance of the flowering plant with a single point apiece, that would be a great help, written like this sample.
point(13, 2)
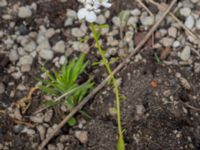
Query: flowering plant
point(91, 8)
point(89, 12)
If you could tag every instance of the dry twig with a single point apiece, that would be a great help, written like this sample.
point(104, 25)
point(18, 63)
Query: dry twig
point(103, 83)
point(145, 7)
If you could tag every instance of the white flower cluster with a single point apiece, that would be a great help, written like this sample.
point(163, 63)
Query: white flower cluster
point(91, 8)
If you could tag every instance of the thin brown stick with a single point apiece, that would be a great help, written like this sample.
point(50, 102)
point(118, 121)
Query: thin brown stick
point(103, 83)
point(145, 7)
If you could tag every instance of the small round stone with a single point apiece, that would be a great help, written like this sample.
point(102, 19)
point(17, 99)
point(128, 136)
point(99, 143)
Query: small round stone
point(116, 21)
point(59, 47)
point(147, 20)
point(25, 12)
point(198, 24)
point(185, 11)
point(101, 19)
point(46, 54)
point(172, 31)
point(26, 60)
point(82, 136)
point(76, 32)
point(176, 44)
point(185, 54)
point(189, 22)
point(13, 55)
point(3, 3)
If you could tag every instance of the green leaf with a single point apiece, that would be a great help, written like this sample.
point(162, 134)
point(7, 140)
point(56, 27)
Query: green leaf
point(72, 121)
point(120, 143)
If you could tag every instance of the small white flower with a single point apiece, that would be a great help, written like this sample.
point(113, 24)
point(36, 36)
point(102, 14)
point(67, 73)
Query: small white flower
point(91, 7)
point(84, 13)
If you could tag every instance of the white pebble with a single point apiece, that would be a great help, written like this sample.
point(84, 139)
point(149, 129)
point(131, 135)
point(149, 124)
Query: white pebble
point(26, 60)
point(198, 24)
point(3, 3)
point(25, 12)
point(185, 54)
point(185, 11)
point(76, 32)
point(13, 55)
point(46, 54)
point(189, 22)
point(147, 20)
point(59, 47)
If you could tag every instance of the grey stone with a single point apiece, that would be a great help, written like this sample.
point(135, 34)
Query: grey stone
point(196, 67)
point(42, 131)
point(135, 12)
point(198, 24)
point(76, 32)
point(132, 21)
point(59, 47)
point(185, 11)
point(13, 55)
point(147, 20)
point(26, 60)
point(189, 22)
point(101, 19)
point(82, 136)
point(185, 54)
point(167, 41)
point(172, 31)
point(25, 12)
point(31, 46)
point(48, 115)
point(50, 32)
point(68, 22)
point(46, 54)
point(71, 13)
point(176, 44)
point(3, 3)
point(38, 118)
point(116, 21)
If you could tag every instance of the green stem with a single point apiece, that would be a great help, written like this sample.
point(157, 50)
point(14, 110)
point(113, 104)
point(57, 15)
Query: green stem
point(105, 61)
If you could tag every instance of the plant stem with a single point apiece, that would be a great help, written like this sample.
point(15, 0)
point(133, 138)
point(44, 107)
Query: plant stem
point(116, 89)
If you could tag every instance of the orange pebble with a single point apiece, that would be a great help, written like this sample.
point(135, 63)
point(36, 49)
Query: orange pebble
point(154, 84)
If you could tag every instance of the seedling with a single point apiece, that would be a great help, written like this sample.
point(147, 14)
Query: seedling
point(65, 83)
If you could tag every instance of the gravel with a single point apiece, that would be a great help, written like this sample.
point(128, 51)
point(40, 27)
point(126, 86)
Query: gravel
point(68, 22)
point(172, 31)
point(38, 118)
point(31, 46)
point(3, 3)
point(13, 55)
point(116, 21)
point(189, 22)
point(46, 54)
point(166, 41)
point(26, 60)
point(198, 24)
point(24, 12)
point(82, 136)
point(48, 115)
point(42, 131)
point(185, 11)
point(101, 19)
point(147, 20)
point(59, 47)
point(197, 67)
point(76, 32)
point(185, 54)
